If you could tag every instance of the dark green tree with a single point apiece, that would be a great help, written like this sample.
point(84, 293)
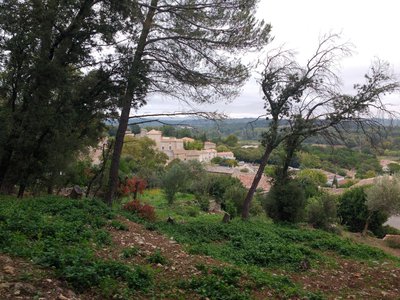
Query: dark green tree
point(354, 213)
point(54, 92)
point(231, 140)
point(286, 201)
point(135, 129)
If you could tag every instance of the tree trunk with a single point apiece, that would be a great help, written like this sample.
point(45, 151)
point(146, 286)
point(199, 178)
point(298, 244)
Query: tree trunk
point(291, 146)
point(364, 232)
point(5, 164)
point(21, 190)
point(119, 142)
point(105, 153)
point(50, 187)
point(133, 83)
point(136, 190)
point(257, 178)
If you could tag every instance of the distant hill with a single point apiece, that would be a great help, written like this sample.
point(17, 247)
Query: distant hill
point(243, 128)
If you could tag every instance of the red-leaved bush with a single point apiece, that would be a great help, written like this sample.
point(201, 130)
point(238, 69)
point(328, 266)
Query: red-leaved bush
point(144, 211)
point(134, 185)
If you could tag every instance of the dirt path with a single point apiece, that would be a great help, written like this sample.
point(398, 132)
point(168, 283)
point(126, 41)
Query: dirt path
point(180, 263)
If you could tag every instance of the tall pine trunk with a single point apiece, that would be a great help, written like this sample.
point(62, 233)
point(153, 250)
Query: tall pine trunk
point(133, 85)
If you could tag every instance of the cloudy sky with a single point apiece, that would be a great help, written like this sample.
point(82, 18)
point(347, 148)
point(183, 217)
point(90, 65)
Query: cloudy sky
point(373, 27)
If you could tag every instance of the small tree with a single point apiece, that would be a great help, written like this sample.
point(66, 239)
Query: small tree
point(233, 199)
point(180, 177)
point(231, 140)
point(140, 157)
point(286, 201)
point(174, 180)
point(321, 211)
point(384, 197)
point(134, 185)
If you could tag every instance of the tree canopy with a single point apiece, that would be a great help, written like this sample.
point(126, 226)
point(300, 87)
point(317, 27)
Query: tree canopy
point(54, 92)
point(180, 49)
point(305, 100)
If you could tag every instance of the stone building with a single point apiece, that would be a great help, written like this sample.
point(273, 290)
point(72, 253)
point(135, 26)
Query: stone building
point(174, 147)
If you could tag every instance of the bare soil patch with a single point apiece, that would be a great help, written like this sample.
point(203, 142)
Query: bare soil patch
point(20, 279)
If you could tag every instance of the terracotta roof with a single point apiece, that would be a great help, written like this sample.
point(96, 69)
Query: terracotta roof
point(247, 180)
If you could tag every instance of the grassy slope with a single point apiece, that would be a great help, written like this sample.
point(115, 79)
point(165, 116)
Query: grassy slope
point(65, 235)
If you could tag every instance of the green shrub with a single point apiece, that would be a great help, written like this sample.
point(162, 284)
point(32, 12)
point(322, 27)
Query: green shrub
point(353, 212)
point(321, 211)
point(218, 283)
point(219, 184)
point(256, 207)
point(109, 287)
point(233, 199)
point(118, 225)
point(286, 201)
point(192, 212)
point(390, 230)
point(204, 202)
point(174, 180)
point(157, 258)
point(130, 252)
point(102, 237)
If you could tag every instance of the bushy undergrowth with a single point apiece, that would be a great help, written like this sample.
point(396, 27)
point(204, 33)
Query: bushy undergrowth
point(62, 234)
point(218, 283)
point(264, 244)
point(232, 283)
point(144, 211)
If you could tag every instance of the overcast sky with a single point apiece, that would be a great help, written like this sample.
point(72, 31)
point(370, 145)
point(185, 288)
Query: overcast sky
point(371, 26)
